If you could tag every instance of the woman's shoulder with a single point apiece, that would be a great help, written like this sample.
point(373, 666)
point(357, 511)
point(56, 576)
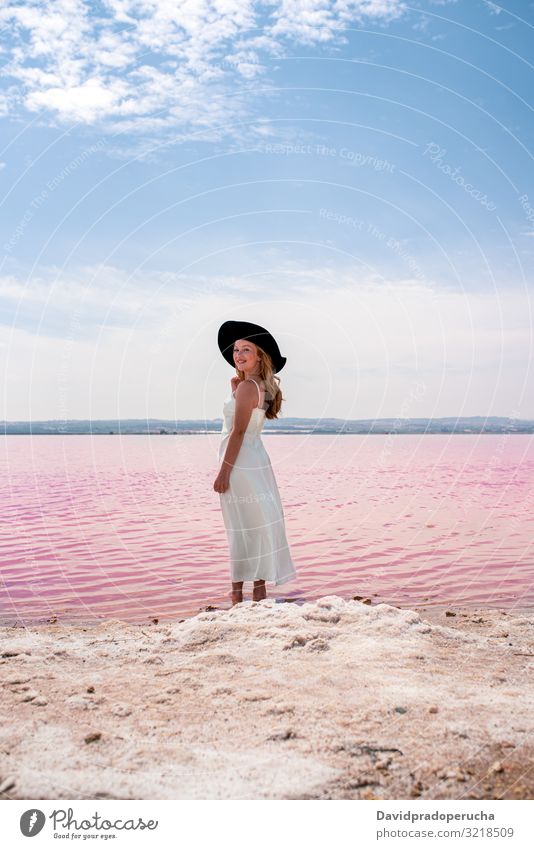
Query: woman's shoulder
point(252, 382)
point(249, 386)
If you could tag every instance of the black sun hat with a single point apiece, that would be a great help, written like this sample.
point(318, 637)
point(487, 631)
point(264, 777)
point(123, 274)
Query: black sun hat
point(230, 331)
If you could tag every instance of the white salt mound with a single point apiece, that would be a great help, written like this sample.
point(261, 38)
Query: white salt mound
point(331, 699)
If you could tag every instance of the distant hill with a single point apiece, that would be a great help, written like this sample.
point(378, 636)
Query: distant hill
point(164, 427)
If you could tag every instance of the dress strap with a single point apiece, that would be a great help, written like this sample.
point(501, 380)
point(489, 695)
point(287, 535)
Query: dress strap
point(258, 388)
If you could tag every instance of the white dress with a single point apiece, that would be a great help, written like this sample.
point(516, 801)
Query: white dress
point(252, 508)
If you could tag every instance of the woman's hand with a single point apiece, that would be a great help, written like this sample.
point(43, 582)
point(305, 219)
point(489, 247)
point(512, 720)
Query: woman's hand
point(235, 381)
point(222, 481)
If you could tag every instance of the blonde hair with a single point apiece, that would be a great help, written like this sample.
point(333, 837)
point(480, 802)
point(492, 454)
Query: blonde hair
point(273, 393)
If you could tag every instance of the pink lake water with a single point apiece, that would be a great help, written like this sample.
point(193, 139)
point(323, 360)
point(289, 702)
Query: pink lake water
point(130, 527)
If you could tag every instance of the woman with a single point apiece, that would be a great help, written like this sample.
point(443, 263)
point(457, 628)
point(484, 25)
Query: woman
point(249, 496)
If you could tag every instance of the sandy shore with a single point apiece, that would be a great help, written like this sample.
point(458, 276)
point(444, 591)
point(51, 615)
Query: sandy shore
point(327, 700)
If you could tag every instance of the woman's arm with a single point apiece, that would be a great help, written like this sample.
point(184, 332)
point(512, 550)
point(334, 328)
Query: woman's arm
point(246, 397)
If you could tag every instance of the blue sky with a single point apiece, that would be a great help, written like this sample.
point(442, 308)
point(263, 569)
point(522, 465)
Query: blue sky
point(354, 175)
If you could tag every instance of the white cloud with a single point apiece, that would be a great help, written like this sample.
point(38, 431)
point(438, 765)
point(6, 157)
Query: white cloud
point(108, 295)
point(493, 8)
point(100, 342)
point(83, 103)
point(153, 64)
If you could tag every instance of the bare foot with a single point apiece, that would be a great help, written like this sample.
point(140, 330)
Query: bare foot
point(259, 591)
